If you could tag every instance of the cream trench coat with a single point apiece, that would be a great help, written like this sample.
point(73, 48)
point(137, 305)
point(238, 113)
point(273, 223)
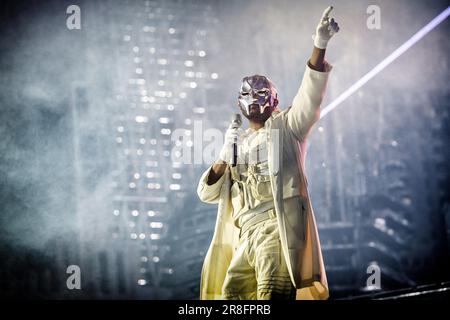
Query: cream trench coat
point(286, 141)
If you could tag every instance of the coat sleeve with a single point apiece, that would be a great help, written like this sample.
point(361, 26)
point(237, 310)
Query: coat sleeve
point(305, 110)
point(209, 193)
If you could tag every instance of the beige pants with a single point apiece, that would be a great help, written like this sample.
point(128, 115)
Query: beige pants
point(258, 269)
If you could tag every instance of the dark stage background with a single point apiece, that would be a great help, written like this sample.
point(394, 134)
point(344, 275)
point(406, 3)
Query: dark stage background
point(87, 116)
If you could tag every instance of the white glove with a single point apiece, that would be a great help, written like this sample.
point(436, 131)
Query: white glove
point(232, 135)
point(325, 30)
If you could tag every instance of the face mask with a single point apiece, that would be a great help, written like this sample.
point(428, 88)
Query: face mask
point(257, 91)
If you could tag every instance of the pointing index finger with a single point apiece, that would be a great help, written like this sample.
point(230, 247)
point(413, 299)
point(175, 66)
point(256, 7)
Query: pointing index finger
point(327, 12)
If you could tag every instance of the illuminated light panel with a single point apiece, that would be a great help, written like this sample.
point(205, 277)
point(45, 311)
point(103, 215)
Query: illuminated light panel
point(156, 225)
point(174, 187)
point(141, 119)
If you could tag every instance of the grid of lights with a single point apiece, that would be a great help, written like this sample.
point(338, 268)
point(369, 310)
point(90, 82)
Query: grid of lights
point(164, 71)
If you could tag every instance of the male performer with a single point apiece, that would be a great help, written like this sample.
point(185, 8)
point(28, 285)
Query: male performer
point(265, 244)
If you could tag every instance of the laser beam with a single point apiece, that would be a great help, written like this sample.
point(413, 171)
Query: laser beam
point(387, 61)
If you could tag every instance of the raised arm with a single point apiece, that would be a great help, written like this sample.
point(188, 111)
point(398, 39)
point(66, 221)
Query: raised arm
point(305, 110)
point(325, 30)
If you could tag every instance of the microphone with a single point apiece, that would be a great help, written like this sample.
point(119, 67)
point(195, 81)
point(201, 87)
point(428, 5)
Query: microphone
point(236, 123)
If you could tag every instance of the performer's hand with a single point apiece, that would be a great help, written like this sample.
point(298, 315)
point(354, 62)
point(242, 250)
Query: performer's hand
point(325, 30)
point(232, 135)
